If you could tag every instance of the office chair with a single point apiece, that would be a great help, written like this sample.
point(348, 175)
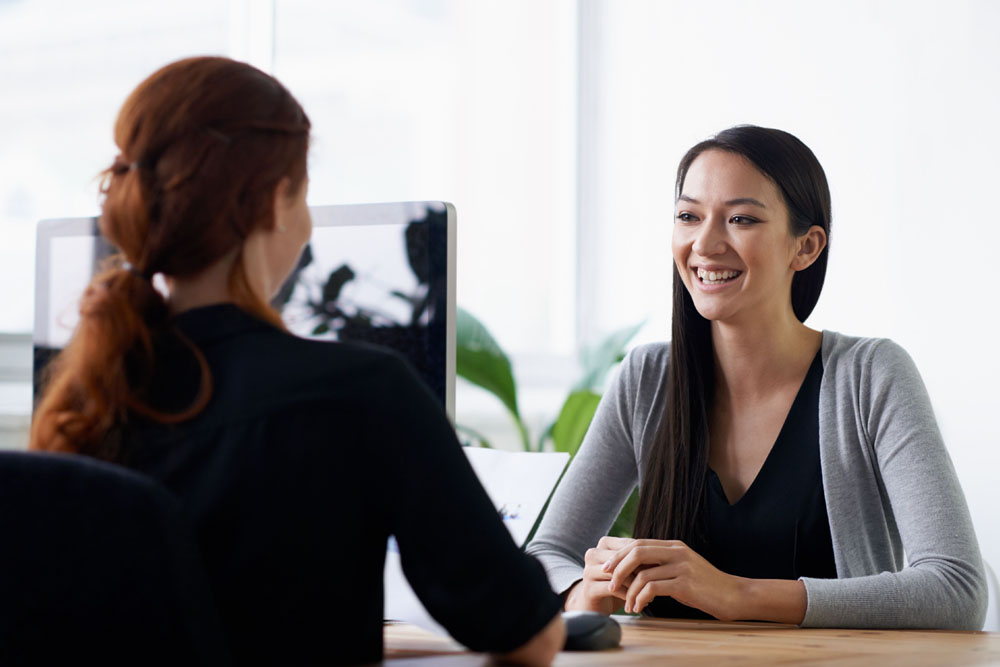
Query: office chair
point(992, 623)
point(96, 568)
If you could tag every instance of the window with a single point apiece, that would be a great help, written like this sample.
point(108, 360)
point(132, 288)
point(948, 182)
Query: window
point(473, 103)
point(62, 83)
point(65, 69)
point(469, 102)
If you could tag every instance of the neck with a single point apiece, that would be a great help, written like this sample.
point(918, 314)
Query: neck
point(209, 287)
point(752, 358)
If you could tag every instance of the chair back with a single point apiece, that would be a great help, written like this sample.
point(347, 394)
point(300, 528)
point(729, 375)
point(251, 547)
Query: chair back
point(96, 567)
point(993, 606)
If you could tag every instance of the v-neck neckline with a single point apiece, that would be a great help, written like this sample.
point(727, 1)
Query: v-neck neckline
point(716, 484)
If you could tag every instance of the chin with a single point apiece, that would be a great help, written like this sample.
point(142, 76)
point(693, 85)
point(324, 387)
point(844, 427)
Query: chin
point(711, 311)
point(711, 316)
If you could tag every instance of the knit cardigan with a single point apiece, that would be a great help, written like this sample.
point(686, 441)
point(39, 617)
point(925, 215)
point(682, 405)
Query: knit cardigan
point(889, 484)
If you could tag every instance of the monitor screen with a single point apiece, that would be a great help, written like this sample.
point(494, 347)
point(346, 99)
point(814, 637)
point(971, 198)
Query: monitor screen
point(376, 273)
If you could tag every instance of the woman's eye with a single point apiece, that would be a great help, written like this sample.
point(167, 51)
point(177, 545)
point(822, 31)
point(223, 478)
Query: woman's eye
point(742, 220)
point(686, 217)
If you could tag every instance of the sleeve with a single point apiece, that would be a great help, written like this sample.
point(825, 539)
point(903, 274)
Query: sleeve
point(595, 487)
point(455, 551)
point(943, 585)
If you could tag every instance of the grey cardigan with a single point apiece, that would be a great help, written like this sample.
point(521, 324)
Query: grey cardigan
point(890, 487)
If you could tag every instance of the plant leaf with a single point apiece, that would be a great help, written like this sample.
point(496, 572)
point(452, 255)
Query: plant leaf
point(480, 360)
point(574, 420)
point(335, 283)
point(601, 358)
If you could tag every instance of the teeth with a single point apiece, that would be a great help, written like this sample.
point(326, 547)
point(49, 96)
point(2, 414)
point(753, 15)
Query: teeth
point(716, 276)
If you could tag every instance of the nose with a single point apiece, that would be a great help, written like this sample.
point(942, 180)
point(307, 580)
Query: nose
point(710, 238)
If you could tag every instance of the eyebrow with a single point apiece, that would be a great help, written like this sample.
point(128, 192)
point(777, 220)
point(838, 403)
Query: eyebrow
point(731, 202)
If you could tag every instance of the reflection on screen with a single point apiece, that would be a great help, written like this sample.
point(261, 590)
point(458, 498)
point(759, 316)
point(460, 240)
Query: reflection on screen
point(355, 272)
point(371, 273)
point(380, 282)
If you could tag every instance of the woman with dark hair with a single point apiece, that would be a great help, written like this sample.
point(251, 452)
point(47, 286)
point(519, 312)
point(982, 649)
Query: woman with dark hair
point(295, 460)
point(782, 471)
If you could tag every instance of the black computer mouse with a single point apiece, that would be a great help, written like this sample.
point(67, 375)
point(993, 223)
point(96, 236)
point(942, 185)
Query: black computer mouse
point(590, 631)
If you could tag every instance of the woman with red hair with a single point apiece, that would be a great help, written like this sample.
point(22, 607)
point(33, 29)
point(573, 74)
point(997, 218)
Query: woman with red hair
point(295, 460)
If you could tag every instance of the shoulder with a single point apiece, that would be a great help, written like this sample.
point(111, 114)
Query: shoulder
point(272, 367)
point(351, 356)
point(640, 384)
point(641, 374)
point(872, 377)
point(359, 364)
point(251, 353)
point(865, 356)
point(647, 357)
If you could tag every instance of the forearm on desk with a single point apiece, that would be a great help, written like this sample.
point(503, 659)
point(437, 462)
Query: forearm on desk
point(778, 600)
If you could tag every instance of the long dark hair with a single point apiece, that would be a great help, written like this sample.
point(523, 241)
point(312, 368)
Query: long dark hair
point(674, 471)
point(203, 144)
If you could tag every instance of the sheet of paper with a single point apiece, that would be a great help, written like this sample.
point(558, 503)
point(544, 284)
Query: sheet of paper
point(518, 483)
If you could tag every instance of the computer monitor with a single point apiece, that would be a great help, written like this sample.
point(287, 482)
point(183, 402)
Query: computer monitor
point(375, 273)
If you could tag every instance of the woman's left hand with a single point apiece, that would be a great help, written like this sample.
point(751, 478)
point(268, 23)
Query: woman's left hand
point(670, 567)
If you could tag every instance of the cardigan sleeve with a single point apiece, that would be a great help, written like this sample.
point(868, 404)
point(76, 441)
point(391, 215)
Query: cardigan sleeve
point(595, 487)
point(943, 585)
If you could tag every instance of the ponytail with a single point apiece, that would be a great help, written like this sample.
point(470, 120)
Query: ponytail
point(106, 369)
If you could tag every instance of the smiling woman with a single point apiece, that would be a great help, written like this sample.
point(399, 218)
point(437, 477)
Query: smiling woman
point(781, 469)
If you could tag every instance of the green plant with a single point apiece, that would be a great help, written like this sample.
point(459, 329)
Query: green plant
point(481, 361)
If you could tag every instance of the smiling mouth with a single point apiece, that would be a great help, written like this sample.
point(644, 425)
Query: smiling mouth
point(717, 277)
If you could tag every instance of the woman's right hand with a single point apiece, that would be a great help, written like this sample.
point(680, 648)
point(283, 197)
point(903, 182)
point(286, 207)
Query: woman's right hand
point(592, 593)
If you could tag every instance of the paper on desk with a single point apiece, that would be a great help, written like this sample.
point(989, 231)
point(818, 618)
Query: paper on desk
point(518, 483)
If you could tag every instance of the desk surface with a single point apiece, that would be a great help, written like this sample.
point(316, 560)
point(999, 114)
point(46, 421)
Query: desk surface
point(650, 640)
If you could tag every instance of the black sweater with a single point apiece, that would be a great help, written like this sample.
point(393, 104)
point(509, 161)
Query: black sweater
point(308, 456)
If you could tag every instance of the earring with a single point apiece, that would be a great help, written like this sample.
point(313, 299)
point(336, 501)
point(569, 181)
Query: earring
point(282, 228)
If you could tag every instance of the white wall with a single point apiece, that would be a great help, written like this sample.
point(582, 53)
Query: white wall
point(900, 101)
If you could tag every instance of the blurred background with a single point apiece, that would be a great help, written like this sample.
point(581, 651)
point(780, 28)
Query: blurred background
point(555, 127)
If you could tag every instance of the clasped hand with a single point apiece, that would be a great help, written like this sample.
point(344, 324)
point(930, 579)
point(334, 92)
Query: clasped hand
point(637, 571)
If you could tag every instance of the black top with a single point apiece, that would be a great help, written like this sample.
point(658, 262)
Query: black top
point(308, 457)
point(779, 529)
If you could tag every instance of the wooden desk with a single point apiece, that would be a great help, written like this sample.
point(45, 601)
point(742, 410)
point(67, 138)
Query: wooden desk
point(648, 641)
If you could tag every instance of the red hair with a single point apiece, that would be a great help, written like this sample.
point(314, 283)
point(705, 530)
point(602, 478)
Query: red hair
point(203, 144)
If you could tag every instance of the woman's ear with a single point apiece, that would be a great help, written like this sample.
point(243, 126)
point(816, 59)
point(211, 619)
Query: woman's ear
point(808, 247)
